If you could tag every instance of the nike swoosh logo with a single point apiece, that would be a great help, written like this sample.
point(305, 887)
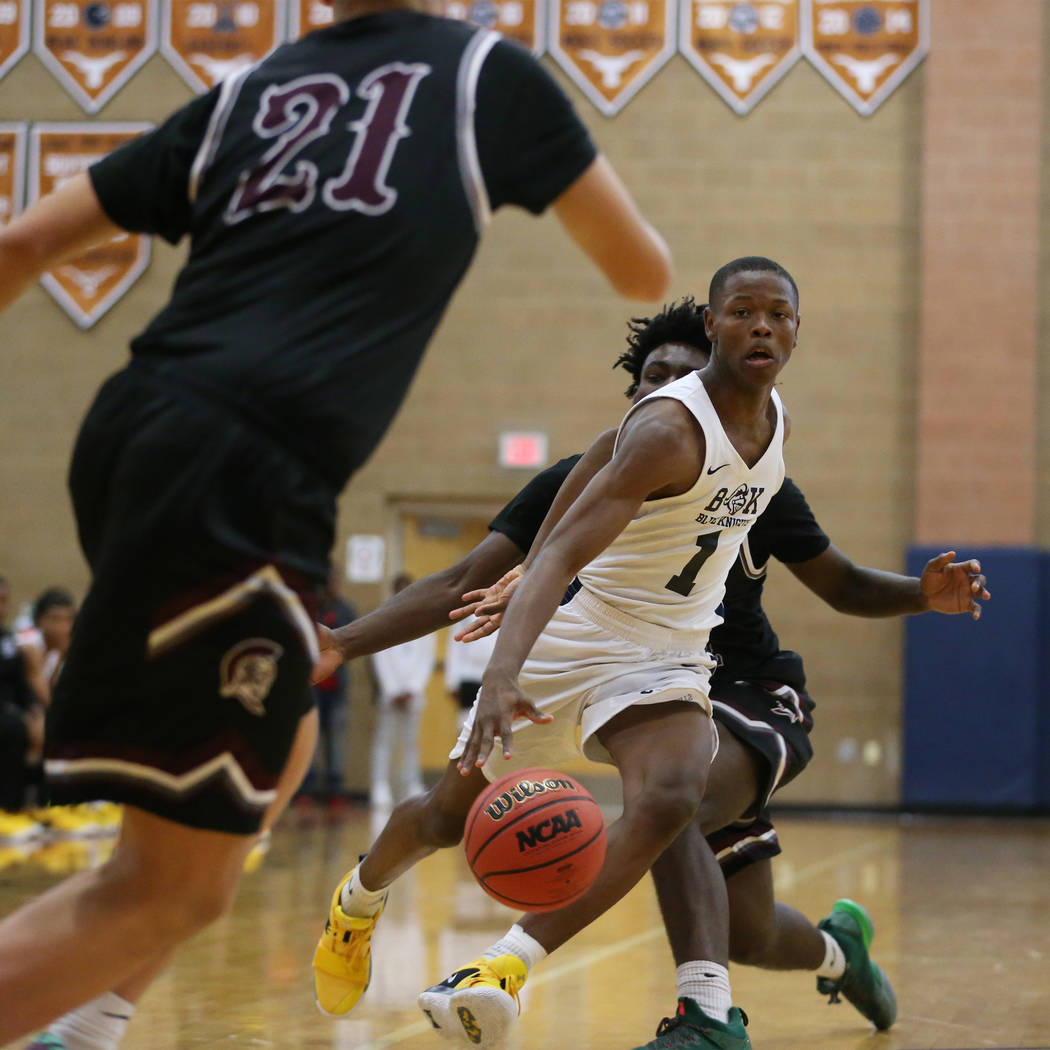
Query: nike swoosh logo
point(454, 978)
point(715, 470)
point(119, 1017)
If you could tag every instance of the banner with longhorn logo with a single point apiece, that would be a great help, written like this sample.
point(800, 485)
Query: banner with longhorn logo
point(94, 47)
point(208, 40)
point(740, 49)
point(612, 48)
point(12, 170)
point(522, 20)
point(14, 32)
point(87, 286)
point(865, 48)
point(304, 16)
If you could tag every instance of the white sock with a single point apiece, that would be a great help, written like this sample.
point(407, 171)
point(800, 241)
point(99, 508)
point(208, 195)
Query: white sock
point(98, 1025)
point(834, 964)
point(359, 902)
point(517, 942)
point(706, 983)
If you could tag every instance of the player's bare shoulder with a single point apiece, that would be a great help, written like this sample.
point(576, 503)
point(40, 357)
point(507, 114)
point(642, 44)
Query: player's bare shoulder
point(662, 436)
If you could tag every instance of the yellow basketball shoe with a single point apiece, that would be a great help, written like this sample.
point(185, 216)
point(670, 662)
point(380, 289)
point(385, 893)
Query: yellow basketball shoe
point(478, 1004)
point(17, 828)
point(343, 958)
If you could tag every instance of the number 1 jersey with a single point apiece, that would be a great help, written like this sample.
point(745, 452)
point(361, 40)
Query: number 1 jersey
point(669, 565)
point(334, 195)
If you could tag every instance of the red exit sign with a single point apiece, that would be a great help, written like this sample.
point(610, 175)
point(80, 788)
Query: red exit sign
point(519, 448)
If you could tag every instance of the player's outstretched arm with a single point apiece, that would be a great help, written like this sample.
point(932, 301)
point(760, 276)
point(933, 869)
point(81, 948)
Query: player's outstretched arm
point(660, 454)
point(945, 586)
point(58, 227)
point(490, 603)
point(423, 606)
point(601, 217)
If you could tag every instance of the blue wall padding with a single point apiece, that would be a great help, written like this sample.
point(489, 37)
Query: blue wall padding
point(976, 720)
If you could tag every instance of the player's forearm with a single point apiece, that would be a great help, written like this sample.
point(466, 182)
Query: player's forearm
point(423, 606)
point(534, 604)
point(420, 608)
point(875, 593)
point(19, 268)
point(58, 227)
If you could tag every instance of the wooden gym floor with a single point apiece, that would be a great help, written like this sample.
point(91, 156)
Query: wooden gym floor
point(961, 907)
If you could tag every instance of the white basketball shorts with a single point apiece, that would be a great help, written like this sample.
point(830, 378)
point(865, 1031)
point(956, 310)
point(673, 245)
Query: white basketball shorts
point(590, 663)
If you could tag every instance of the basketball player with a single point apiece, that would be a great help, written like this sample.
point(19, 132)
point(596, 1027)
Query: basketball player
point(752, 673)
point(334, 195)
point(621, 659)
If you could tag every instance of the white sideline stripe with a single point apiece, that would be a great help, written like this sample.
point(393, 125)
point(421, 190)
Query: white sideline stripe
point(175, 784)
point(581, 962)
point(266, 580)
point(231, 87)
point(470, 64)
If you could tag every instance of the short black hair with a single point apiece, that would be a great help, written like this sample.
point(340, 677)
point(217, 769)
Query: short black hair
point(748, 264)
point(682, 322)
point(52, 598)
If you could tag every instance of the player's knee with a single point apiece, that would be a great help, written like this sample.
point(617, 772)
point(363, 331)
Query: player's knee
point(668, 803)
point(171, 910)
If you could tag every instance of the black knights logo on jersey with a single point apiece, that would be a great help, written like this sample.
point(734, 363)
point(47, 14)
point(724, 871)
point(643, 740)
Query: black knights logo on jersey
point(742, 500)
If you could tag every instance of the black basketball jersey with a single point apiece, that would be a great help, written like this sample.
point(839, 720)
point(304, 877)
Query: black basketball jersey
point(334, 195)
point(745, 643)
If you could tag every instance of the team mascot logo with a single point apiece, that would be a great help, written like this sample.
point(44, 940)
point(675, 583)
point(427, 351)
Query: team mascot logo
point(248, 671)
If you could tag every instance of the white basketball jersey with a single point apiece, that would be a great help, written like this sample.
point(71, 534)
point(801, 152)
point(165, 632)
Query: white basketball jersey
point(669, 565)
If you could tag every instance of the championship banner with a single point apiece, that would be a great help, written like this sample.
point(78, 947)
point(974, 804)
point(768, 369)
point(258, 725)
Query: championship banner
point(865, 48)
point(93, 47)
point(12, 170)
point(304, 16)
point(208, 40)
point(612, 48)
point(522, 20)
point(740, 49)
point(87, 286)
point(14, 32)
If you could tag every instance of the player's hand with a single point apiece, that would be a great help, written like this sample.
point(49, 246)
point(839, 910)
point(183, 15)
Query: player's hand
point(954, 587)
point(330, 657)
point(499, 703)
point(488, 606)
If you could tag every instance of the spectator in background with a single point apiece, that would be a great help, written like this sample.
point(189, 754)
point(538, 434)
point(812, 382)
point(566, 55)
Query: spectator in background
point(402, 674)
point(45, 644)
point(21, 731)
point(326, 779)
point(465, 663)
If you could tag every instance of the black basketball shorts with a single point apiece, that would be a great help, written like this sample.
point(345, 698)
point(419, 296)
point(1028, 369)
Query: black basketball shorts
point(189, 667)
point(774, 720)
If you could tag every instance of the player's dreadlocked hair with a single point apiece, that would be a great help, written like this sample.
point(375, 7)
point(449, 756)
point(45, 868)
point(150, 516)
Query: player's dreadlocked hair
point(681, 322)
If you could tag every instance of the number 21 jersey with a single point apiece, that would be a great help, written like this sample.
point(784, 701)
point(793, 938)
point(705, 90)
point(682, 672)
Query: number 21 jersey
point(334, 195)
point(669, 565)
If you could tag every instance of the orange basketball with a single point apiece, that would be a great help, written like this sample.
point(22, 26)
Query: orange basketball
point(535, 840)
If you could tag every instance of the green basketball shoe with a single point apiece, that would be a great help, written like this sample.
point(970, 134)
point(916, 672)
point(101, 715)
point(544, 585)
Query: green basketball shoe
point(863, 984)
point(692, 1029)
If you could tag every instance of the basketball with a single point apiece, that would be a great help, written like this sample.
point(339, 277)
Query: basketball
point(535, 840)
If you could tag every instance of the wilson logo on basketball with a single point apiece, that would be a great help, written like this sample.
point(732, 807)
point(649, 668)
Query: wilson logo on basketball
point(545, 830)
point(522, 791)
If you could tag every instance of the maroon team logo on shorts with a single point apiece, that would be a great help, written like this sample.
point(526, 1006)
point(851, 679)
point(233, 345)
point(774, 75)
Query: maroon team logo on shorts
point(248, 671)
